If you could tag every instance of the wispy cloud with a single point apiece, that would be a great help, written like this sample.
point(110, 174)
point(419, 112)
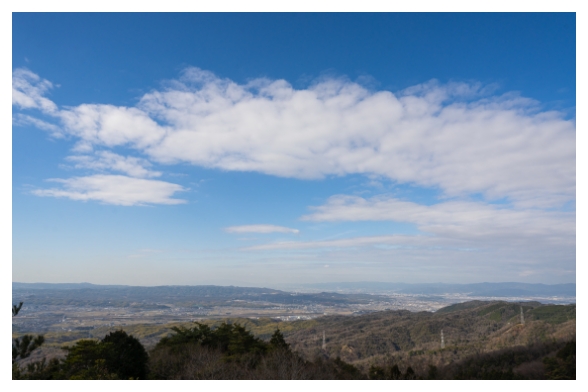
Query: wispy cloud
point(456, 137)
point(454, 219)
point(115, 189)
point(453, 234)
point(106, 160)
point(341, 243)
point(261, 229)
point(22, 119)
point(436, 257)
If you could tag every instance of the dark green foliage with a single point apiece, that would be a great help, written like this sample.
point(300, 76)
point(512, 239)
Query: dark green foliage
point(201, 333)
point(492, 308)
point(409, 375)
point(232, 352)
point(328, 369)
point(500, 311)
point(433, 372)
point(277, 341)
point(116, 356)
point(204, 353)
point(390, 373)
point(376, 373)
point(41, 370)
point(23, 346)
point(322, 368)
point(125, 356)
point(506, 364)
point(233, 340)
point(395, 373)
point(346, 371)
point(563, 365)
point(85, 361)
point(554, 314)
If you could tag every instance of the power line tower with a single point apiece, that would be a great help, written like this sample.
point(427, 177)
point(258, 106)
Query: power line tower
point(324, 341)
point(522, 317)
point(442, 340)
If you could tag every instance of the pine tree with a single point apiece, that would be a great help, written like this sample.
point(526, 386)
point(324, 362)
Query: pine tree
point(277, 341)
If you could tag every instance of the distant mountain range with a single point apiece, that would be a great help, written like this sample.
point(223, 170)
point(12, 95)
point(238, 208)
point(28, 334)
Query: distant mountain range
point(61, 286)
point(82, 294)
point(506, 289)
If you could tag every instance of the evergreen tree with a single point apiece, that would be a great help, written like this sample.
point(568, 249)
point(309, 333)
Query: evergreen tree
point(277, 341)
point(125, 356)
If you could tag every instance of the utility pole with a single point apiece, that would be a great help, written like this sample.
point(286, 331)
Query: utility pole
point(522, 317)
point(324, 341)
point(442, 340)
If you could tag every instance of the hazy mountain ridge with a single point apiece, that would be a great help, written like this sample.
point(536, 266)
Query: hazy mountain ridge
point(485, 289)
point(60, 286)
point(474, 289)
point(83, 294)
point(194, 296)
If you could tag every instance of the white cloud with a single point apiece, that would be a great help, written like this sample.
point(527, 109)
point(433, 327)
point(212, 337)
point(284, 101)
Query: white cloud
point(106, 160)
point(28, 91)
point(454, 137)
point(115, 189)
point(261, 229)
point(110, 126)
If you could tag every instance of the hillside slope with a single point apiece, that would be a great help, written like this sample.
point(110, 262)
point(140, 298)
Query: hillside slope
point(474, 332)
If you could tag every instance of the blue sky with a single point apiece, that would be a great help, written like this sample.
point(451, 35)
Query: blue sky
point(268, 149)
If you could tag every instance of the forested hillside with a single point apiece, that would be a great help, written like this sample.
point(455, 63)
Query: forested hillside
point(468, 328)
point(481, 340)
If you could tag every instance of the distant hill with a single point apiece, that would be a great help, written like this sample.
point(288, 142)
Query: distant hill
point(60, 286)
point(506, 289)
point(85, 294)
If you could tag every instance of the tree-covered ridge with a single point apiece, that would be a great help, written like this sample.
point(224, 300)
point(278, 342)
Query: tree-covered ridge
point(226, 352)
point(469, 328)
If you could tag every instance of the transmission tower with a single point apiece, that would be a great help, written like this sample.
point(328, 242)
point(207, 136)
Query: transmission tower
point(522, 317)
point(324, 341)
point(442, 340)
